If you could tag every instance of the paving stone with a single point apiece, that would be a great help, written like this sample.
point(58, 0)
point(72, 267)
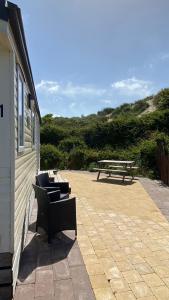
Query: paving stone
point(135, 259)
point(104, 294)
point(132, 276)
point(162, 271)
point(94, 269)
point(124, 265)
point(119, 285)
point(161, 292)
point(143, 268)
point(75, 257)
point(140, 289)
point(118, 255)
point(25, 292)
point(99, 281)
point(162, 254)
point(44, 276)
point(64, 290)
point(90, 259)
point(81, 283)
point(152, 261)
point(148, 298)
point(152, 279)
point(110, 268)
point(61, 270)
point(48, 297)
point(125, 296)
point(102, 253)
point(44, 289)
point(166, 280)
point(87, 250)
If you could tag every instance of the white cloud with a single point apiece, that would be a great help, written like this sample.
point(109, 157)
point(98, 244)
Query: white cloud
point(67, 98)
point(68, 89)
point(133, 87)
point(48, 86)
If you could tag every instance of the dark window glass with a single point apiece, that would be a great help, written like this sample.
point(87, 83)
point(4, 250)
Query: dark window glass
point(20, 111)
point(33, 128)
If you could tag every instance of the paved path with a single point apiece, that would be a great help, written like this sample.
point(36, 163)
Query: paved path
point(159, 193)
point(123, 238)
point(52, 272)
point(122, 251)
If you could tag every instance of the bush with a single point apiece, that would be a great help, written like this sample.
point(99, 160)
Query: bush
point(68, 144)
point(161, 100)
point(51, 134)
point(140, 106)
point(51, 157)
point(76, 159)
point(147, 158)
point(92, 166)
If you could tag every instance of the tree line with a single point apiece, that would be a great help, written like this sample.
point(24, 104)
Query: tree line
point(121, 133)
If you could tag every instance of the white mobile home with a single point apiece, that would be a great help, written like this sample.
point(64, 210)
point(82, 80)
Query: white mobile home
point(19, 143)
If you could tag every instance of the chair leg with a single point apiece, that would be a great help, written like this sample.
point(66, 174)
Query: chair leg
point(75, 233)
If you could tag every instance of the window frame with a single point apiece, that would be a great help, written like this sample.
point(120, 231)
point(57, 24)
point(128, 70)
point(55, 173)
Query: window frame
point(33, 127)
point(20, 79)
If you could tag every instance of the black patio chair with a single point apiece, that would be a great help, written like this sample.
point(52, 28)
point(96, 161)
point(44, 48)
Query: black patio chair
point(54, 214)
point(43, 180)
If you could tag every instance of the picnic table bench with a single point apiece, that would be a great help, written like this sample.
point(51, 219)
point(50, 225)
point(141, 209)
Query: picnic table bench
point(116, 167)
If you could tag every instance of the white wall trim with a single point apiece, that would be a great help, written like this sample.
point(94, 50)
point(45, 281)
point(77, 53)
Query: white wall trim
point(12, 138)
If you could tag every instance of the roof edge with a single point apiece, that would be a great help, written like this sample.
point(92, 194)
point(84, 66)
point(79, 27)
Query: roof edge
point(11, 13)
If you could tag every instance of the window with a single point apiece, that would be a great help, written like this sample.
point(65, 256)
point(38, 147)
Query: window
point(33, 128)
point(20, 111)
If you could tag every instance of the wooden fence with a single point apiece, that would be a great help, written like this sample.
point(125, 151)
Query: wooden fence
point(163, 162)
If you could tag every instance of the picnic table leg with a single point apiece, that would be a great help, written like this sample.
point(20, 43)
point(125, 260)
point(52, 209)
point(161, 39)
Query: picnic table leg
point(123, 178)
point(98, 175)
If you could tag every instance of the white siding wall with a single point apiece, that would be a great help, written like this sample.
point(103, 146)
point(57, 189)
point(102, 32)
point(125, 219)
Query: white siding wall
point(25, 170)
point(17, 170)
point(5, 150)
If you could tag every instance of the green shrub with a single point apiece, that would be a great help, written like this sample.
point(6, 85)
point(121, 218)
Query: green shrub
point(51, 157)
point(92, 166)
point(70, 143)
point(51, 134)
point(161, 100)
point(147, 157)
point(76, 159)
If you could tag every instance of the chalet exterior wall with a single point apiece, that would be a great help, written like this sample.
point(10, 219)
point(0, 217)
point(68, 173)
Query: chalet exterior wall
point(26, 167)
point(6, 137)
point(18, 165)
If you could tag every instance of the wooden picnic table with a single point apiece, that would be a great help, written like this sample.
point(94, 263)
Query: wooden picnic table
point(118, 167)
point(122, 162)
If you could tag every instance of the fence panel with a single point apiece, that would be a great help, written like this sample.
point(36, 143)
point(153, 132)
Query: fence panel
point(163, 163)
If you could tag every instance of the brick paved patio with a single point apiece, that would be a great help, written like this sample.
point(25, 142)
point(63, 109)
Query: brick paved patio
point(52, 272)
point(123, 247)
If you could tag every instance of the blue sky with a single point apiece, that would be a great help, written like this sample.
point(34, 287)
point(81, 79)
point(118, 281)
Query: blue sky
point(91, 54)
